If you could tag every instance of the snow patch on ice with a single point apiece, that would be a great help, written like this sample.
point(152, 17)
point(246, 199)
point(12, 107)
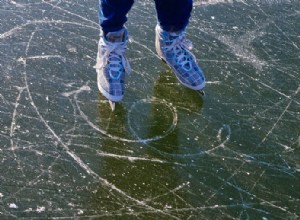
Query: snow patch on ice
point(40, 209)
point(13, 206)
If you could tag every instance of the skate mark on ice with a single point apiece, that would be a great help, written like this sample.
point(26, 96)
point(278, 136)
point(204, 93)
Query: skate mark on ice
point(139, 140)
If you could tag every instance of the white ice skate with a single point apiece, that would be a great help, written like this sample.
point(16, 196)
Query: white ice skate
point(112, 65)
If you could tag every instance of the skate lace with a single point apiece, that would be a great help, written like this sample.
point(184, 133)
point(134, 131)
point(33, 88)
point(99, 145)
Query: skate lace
point(180, 46)
point(114, 57)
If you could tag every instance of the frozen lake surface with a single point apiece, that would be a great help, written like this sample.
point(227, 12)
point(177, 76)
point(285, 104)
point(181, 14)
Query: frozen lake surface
point(165, 152)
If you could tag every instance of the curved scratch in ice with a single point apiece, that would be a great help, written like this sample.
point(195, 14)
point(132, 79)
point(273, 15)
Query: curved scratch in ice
point(138, 140)
point(219, 138)
point(74, 156)
point(154, 100)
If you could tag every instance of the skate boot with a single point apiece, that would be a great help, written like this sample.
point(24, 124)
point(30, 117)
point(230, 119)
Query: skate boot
point(112, 65)
point(174, 49)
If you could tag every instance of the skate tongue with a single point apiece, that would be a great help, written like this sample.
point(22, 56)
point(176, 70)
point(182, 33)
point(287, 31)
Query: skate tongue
point(117, 36)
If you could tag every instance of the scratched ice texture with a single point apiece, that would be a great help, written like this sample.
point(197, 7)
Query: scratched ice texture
point(166, 152)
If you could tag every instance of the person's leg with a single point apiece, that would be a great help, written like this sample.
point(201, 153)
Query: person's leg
point(113, 14)
point(112, 64)
point(173, 15)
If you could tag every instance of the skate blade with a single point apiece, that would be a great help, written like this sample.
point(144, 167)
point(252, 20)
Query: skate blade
point(201, 92)
point(163, 60)
point(112, 105)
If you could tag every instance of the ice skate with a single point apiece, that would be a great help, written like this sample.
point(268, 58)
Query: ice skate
point(201, 92)
point(174, 49)
point(112, 105)
point(112, 65)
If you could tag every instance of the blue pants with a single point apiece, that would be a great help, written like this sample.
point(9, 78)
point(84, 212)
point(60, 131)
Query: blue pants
point(172, 15)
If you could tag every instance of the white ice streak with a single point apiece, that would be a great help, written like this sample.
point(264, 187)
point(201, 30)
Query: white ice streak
point(38, 22)
point(77, 91)
point(129, 158)
point(45, 57)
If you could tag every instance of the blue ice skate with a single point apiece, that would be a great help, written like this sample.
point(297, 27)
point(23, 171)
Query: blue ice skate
point(174, 49)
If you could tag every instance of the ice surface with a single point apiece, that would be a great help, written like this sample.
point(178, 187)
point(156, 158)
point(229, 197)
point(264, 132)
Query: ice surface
point(165, 152)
